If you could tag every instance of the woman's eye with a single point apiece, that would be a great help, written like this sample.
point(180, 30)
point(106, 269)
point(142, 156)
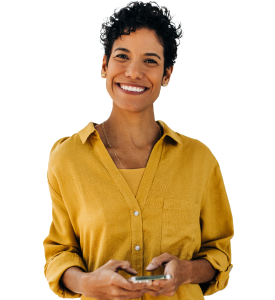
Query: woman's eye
point(123, 56)
point(151, 61)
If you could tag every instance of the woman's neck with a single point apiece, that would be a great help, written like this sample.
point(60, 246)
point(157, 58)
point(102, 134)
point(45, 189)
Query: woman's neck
point(132, 130)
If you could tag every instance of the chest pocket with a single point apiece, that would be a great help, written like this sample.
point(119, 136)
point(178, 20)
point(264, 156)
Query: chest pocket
point(180, 225)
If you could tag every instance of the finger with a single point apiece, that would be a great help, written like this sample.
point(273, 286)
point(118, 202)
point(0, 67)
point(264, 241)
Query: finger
point(162, 288)
point(154, 288)
point(126, 294)
point(155, 291)
point(130, 286)
point(158, 261)
point(122, 265)
point(139, 286)
point(161, 283)
point(128, 270)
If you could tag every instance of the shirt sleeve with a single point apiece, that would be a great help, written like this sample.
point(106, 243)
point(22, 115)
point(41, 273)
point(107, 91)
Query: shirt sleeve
point(62, 250)
point(216, 232)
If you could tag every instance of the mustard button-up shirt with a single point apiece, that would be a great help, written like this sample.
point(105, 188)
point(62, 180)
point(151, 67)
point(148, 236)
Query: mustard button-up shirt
point(182, 206)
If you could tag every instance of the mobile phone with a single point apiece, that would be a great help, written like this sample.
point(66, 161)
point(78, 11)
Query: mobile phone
point(139, 279)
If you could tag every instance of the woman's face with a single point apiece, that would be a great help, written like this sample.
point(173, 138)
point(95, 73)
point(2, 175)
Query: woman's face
point(136, 62)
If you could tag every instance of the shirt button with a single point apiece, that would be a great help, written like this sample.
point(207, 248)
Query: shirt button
point(137, 248)
point(136, 213)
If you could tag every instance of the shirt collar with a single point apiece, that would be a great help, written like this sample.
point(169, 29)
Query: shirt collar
point(90, 128)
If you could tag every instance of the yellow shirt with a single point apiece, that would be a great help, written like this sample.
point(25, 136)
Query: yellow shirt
point(181, 202)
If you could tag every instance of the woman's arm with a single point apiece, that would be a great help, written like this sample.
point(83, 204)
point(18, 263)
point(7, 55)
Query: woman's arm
point(202, 271)
point(72, 279)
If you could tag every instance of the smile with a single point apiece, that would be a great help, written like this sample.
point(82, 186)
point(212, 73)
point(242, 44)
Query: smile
point(134, 90)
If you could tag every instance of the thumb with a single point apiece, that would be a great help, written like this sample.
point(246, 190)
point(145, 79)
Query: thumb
point(160, 261)
point(125, 266)
point(129, 270)
point(152, 266)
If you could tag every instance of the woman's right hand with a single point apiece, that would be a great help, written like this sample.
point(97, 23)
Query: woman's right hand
point(106, 283)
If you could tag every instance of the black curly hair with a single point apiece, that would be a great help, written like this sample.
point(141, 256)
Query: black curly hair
point(137, 15)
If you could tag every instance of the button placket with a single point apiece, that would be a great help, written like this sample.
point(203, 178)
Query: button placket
point(136, 213)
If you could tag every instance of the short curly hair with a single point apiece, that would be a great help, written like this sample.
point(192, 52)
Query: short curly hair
point(137, 15)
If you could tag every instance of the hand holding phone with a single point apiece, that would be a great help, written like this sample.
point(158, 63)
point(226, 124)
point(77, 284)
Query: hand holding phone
point(105, 282)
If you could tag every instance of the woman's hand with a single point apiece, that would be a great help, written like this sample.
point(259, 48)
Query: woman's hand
point(180, 270)
point(106, 283)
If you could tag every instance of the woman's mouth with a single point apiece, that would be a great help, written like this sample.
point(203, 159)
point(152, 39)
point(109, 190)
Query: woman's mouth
point(132, 90)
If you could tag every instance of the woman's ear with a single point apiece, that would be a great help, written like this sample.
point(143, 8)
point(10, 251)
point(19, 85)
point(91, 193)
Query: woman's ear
point(170, 72)
point(104, 65)
point(167, 75)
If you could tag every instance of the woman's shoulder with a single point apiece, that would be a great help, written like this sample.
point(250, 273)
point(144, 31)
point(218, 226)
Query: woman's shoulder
point(197, 149)
point(71, 148)
point(197, 154)
point(195, 144)
point(64, 148)
point(59, 144)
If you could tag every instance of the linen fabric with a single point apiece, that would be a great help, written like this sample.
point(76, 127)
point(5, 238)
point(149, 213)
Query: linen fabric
point(181, 199)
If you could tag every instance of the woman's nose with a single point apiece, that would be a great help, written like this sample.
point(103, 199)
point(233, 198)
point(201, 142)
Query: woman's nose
point(134, 70)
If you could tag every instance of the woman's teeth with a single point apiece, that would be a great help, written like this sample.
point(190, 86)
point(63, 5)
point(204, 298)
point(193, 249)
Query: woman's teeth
point(131, 88)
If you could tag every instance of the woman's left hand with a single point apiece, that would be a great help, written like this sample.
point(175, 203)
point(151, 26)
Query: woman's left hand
point(180, 270)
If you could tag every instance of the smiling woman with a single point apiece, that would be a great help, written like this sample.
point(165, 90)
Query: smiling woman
point(135, 67)
point(130, 195)
point(138, 60)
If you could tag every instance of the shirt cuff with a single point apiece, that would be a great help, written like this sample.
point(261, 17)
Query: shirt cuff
point(218, 283)
point(55, 268)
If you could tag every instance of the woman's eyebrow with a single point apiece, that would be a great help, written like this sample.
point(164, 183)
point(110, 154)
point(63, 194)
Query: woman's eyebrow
point(122, 49)
point(145, 54)
point(152, 54)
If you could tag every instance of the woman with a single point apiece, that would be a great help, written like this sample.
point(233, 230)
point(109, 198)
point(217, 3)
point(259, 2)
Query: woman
point(130, 195)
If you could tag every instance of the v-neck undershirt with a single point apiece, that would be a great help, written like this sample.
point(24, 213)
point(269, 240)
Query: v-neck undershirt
point(133, 178)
